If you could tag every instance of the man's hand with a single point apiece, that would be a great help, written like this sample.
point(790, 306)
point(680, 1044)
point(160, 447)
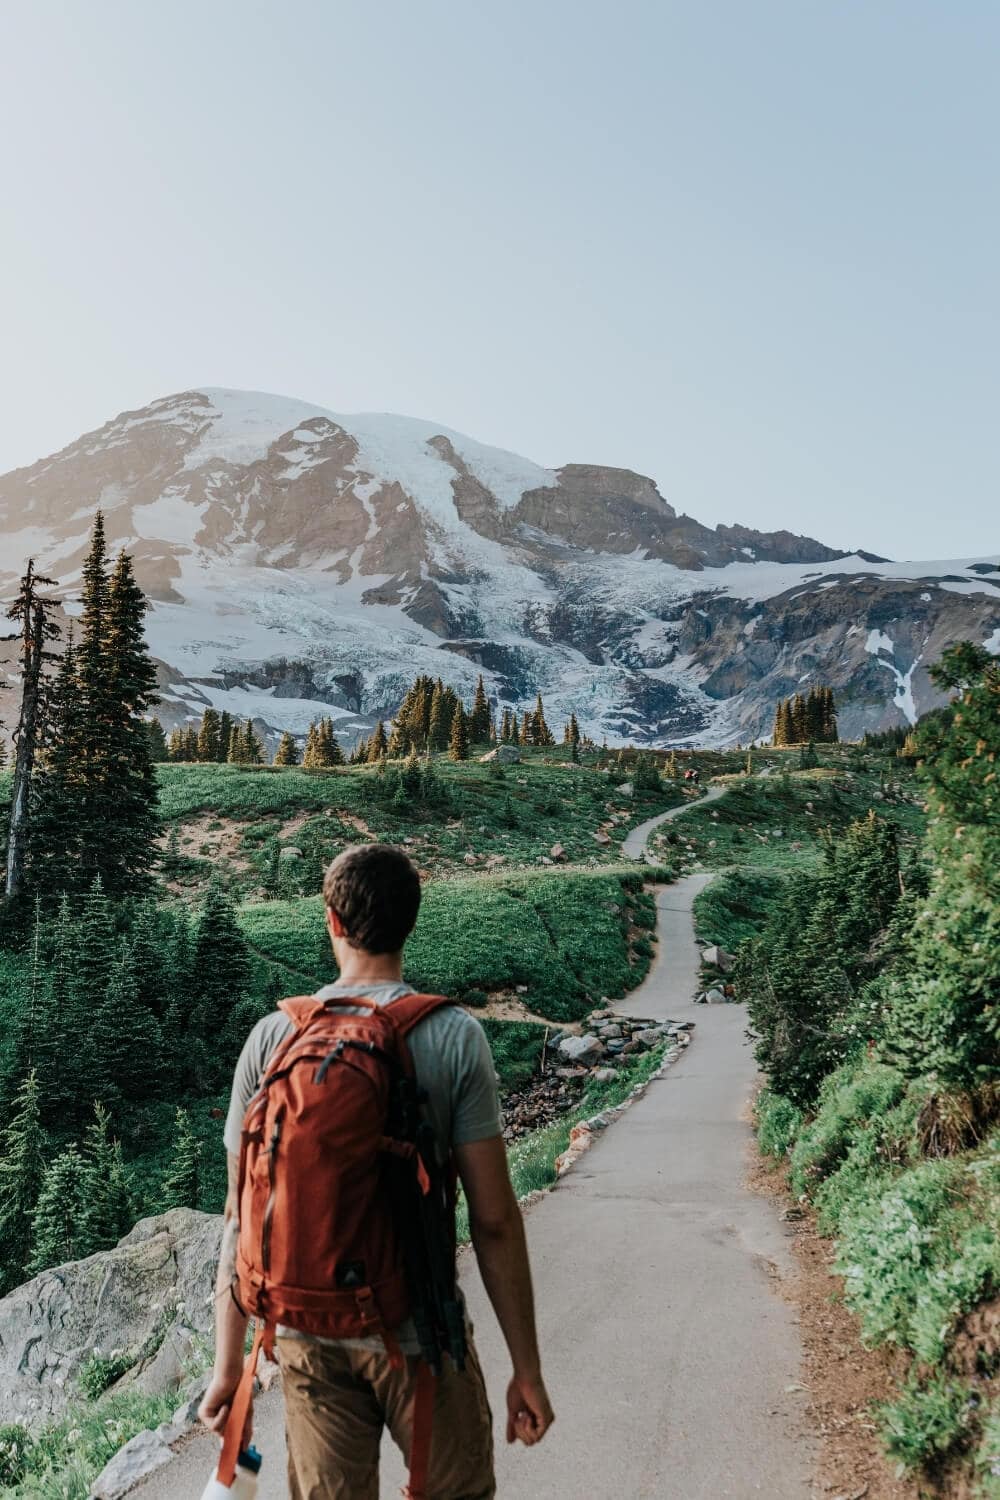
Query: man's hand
point(215, 1404)
point(529, 1412)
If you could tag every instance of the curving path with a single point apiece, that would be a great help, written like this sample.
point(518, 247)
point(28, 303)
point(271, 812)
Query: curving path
point(672, 1360)
point(634, 845)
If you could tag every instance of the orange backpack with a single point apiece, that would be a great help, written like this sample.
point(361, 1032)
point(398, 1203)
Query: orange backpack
point(347, 1218)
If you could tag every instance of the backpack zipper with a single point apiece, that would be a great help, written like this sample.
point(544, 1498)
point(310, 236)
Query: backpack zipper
point(265, 1233)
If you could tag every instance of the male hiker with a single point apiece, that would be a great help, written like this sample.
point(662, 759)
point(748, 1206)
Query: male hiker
point(340, 1392)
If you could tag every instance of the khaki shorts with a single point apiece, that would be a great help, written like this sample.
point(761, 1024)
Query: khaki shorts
point(337, 1402)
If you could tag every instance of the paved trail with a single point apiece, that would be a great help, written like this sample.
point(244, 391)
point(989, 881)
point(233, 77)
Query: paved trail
point(669, 1354)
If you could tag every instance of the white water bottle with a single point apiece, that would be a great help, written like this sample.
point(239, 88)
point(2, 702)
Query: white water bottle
point(244, 1485)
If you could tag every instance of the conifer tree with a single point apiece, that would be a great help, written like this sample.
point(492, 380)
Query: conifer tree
point(125, 1041)
point(32, 1045)
point(57, 1223)
point(32, 611)
point(287, 753)
point(310, 755)
point(479, 718)
point(210, 736)
point(22, 1171)
point(505, 727)
point(378, 744)
point(156, 739)
point(799, 725)
point(131, 794)
point(108, 1209)
point(515, 728)
point(221, 962)
point(436, 737)
point(181, 1185)
point(253, 750)
point(225, 735)
point(458, 748)
point(330, 753)
point(56, 832)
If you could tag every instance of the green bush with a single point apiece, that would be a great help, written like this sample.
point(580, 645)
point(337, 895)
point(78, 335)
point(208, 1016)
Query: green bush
point(987, 1460)
point(926, 1422)
point(778, 1123)
point(99, 1371)
point(848, 1099)
point(913, 1256)
point(15, 1446)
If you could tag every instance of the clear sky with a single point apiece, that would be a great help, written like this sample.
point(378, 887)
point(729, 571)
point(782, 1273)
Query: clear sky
point(749, 247)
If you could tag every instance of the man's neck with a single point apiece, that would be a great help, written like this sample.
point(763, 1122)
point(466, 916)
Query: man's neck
point(371, 968)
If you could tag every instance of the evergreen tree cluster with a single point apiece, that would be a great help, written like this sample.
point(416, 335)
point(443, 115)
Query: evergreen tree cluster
point(123, 1004)
point(93, 796)
point(801, 721)
point(322, 749)
point(217, 739)
point(63, 1203)
point(803, 976)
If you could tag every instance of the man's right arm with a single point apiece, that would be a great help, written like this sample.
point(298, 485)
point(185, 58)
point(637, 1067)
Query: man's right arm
point(230, 1322)
point(497, 1230)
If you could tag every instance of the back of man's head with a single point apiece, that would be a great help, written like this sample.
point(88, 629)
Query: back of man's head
point(374, 890)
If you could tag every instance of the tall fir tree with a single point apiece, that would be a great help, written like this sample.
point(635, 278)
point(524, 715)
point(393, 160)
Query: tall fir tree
point(159, 750)
point(125, 1040)
point(287, 753)
point(210, 736)
point(225, 735)
point(32, 610)
point(57, 1231)
point(181, 1186)
point(108, 1208)
point(480, 717)
point(458, 747)
point(22, 1172)
point(221, 963)
point(131, 690)
point(437, 738)
point(378, 745)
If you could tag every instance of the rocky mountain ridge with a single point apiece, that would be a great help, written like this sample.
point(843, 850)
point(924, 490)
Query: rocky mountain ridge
point(300, 562)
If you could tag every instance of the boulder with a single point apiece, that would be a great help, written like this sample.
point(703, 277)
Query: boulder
point(614, 1048)
point(718, 958)
point(141, 1455)
point(650, 1038)
point(600, 837)
point(609, 1031)
point(604, 1075)
point(152, 1292)
point(715, 996)
point(507, 755)
point(558, 853)
point(581, 1049)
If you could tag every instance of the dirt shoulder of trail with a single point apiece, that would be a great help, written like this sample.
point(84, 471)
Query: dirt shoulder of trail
point(842, 1377)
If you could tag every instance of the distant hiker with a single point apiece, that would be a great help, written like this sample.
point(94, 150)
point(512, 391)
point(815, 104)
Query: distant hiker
point(353, 1111)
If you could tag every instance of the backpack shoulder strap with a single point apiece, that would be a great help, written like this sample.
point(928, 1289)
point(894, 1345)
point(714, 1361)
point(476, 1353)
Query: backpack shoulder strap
point(302, 1009)
point(409, 1010)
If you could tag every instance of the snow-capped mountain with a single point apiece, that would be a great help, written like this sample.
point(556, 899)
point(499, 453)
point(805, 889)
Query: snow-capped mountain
point(300, 562)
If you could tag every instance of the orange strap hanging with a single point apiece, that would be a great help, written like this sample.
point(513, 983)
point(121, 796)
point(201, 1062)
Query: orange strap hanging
point(232, 1440)
point(423, 1424)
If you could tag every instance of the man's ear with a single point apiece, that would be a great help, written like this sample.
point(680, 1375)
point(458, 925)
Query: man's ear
point(334, 925)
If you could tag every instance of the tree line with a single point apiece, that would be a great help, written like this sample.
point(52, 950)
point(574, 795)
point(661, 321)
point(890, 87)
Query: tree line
point(806, 720)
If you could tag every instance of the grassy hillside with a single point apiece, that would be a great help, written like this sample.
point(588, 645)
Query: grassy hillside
point(266, 830)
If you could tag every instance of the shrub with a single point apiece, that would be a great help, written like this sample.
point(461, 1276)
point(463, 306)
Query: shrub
point(926, 1422)
point(778, 1123)
point(987, 1460)
point(15, 1445)
point(99, 1371)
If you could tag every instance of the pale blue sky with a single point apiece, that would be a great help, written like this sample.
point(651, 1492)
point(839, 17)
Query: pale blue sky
point(749, 247)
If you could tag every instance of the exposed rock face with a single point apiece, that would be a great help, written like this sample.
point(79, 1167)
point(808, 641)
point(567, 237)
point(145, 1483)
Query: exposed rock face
point(301, 563)
point(153, 1294)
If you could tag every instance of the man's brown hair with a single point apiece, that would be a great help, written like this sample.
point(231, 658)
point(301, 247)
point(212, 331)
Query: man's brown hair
point(375, 891)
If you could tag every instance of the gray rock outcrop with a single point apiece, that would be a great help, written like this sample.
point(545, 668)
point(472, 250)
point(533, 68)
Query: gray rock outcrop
point(153, 1295)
